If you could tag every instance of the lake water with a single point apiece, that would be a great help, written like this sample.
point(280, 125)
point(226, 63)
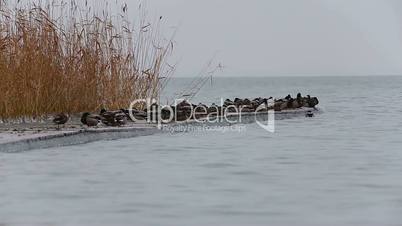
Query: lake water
point(343, 167)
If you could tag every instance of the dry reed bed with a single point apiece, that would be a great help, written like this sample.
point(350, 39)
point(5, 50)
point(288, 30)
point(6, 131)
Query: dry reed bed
point(66, 58)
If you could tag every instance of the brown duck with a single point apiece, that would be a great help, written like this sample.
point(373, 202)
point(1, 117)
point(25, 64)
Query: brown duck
point(90, 119)
point(60, 119)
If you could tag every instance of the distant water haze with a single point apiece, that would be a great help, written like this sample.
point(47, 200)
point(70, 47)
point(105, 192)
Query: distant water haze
point(280, 37)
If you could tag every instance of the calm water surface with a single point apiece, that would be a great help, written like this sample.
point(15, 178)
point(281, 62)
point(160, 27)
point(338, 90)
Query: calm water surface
point(343, 167)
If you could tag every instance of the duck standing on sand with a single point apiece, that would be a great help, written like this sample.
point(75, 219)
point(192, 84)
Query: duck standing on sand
point(90, 119)
point(60, 119)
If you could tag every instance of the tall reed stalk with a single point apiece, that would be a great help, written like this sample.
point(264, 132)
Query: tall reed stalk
point(63, 57)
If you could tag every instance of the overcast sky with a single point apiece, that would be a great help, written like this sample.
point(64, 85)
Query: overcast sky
point(286, 37)
point(283, 37)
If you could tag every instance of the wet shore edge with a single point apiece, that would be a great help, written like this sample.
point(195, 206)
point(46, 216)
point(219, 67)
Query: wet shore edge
point(47, 139)
point(31, 140)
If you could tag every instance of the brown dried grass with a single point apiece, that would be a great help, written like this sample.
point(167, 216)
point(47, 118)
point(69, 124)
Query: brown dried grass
point(65, 58)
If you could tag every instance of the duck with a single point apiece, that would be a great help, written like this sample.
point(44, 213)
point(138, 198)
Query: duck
point(281, 105)
point(300, 100)
point(278, 106)
point(269, 101)
point(201, 108)
point(294, 104)
point(113, 118)
point(306, 101)
point(246, 102)
point(314, 102)
point(213, 108)
point(200, 111)
point(61, 119)
point(121, 119)
point(238, 102)
point(138, 114)
point(255, 104)
point(228, 102)
point(311, 102)
point(167, 112)
point(247, 109)
point(309, 114)
point(290, 103)
point(185, 106)
point(259, 100)
point(91, 120)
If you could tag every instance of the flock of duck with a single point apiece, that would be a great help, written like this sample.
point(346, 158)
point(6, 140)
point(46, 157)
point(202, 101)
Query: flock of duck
point(185, 110)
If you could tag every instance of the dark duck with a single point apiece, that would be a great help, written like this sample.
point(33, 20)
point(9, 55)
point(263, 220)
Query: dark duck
point(309, 114)
point(60, 119)
point(113, 118)
point(91, 120)
point(137, 114)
